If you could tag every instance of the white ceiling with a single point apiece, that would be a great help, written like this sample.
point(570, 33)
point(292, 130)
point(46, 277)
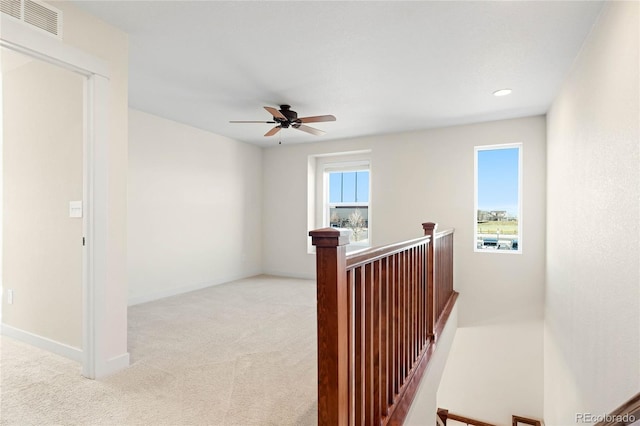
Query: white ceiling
point(379, 67)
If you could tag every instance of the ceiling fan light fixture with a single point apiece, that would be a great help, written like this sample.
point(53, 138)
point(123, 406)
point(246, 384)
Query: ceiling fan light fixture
point(502, 92)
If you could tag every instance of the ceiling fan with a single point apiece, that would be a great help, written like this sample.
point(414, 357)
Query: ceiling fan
point(286, 117)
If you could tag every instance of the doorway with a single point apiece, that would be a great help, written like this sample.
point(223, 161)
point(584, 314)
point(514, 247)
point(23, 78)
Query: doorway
point(42, 199)
point(103, 308)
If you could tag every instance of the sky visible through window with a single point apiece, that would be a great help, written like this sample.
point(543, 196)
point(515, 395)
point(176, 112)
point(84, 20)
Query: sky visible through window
point(498, 180)
point(349, 187)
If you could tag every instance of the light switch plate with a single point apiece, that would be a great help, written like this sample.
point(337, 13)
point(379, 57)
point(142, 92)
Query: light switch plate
point(75, 208)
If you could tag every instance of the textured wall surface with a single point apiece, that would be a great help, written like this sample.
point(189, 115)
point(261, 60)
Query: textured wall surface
point(592, 318)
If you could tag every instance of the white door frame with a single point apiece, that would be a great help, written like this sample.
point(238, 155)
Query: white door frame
point(18, 37)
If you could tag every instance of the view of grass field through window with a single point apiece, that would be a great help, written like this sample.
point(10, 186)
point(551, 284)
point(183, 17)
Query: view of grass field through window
point(498, 198)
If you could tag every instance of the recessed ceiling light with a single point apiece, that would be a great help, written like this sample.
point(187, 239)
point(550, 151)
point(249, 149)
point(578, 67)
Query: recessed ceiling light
point(502, 92)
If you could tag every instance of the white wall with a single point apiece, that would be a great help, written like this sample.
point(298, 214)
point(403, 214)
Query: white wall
point(428, 176)
point(195, 205)
point(592, 318)
point(425, 404)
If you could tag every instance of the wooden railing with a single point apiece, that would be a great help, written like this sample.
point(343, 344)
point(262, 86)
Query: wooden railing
point(444, 415)
point(380, 312)
point(626, 414)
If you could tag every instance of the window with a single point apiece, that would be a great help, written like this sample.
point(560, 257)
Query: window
point(498, 203)
point(339, 195)
point(347, 203)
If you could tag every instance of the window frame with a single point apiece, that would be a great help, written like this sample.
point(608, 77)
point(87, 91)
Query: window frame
point(316, 164)
point(476, 150)
point(346, 167)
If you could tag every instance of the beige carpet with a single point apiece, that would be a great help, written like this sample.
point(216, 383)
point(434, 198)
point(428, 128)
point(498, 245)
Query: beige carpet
point(242, 353)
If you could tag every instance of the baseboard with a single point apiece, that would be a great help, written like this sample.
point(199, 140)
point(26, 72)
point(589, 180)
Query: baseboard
point(47, 344)
point(289, 275)
point(113, 365)
point(137, 300)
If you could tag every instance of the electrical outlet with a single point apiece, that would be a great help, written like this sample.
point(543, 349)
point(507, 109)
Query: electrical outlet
point(10, 297)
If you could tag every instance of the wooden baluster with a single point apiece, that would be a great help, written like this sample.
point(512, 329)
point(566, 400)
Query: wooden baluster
point(368, 344)
point(332, 315)
point(416, 304)
point(384, 336)
point(393, 332)
point(412, 299)
point(399, 295)
point(422, 296)
point(407, 317)
point(430, 230)
point(376, 352)
point(351, 282)
point(359, 338)
point(403, 318)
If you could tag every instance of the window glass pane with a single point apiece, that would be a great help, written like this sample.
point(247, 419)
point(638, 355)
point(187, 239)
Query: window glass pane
point(347, 203)
point(498, 199)
point(354, 218)
point(335, 187)
point(362, 187)
point(348, 187)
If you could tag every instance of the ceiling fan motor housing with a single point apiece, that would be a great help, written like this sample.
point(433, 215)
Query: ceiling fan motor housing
point(291, 115)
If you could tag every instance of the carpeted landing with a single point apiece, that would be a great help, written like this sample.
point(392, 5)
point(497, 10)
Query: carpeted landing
point(242, 353)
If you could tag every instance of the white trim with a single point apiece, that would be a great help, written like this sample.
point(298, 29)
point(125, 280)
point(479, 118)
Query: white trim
point(345, 167)
point(32, 339)
point(476, 149)
point(95, 315)
point(317, 165)
point(113, 365)
point(24, 39)
point(286, 274)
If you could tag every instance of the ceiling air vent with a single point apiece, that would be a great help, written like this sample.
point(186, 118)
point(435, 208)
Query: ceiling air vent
point(36, 14)
point(11, 7)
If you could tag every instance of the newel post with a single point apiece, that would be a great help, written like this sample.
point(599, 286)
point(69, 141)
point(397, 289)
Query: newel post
point(333, 343)
point(430, 230)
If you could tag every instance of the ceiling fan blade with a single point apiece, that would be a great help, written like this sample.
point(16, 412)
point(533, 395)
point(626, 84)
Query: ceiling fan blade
point(263, 122)
point(274, 112)
point(273, 131)
point(311, 130)
point(317, 119)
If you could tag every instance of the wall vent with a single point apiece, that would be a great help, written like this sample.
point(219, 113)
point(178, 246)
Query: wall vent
point(11, 8)
point(36, 14)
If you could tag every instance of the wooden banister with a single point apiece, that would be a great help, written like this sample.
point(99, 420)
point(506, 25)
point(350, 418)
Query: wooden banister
point(626, 414)
point(379, 314)
point(443, 415)
point(516, 420)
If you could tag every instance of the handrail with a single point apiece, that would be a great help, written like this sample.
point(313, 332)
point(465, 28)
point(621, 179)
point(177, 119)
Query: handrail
point(519, 419)
point(444, 415)
point(380, 311)
point(359, 258)
point(444, 232)
point(626, 414)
